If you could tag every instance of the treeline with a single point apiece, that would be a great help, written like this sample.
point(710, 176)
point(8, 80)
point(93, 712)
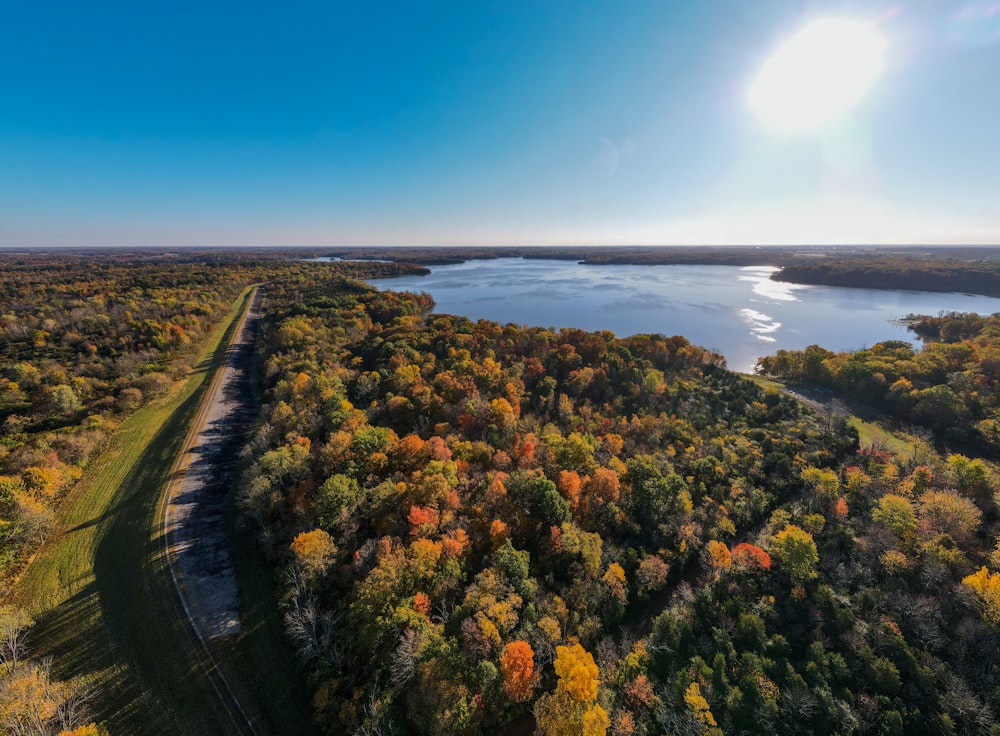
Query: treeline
point(425, 256)
point(636, 255)
point(945, 273)
point(493, 529)
point(951, 386)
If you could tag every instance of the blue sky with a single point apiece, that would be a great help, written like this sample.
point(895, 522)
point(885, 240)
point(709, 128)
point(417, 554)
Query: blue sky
point(214, 123)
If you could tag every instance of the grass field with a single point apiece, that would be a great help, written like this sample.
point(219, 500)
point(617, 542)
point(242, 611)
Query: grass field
point(104, 602)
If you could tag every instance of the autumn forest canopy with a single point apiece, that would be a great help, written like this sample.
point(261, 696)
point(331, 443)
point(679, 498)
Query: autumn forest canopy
point(478, 528)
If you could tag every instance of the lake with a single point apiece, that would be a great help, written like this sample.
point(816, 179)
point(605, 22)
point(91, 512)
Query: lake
point(739, 312)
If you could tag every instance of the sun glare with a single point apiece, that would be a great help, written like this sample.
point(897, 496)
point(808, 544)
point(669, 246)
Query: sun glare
point(817, 76)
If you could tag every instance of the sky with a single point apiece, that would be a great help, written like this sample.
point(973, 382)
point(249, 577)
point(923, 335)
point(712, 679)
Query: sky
point(484, 123)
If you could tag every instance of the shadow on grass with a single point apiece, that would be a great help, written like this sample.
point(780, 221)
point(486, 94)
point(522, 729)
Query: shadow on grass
point(133, 586)
point(121, 633)
point(66, 634)
point(124, 633)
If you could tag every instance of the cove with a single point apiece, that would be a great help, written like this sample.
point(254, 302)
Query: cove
point(738, 312)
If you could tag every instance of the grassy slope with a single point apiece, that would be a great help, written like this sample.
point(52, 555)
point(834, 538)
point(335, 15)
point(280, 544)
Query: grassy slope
point(871, 434)
point(101, 594)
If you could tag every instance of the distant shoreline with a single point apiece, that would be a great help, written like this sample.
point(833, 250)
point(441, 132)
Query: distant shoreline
point(965, 269)
point(959, 268)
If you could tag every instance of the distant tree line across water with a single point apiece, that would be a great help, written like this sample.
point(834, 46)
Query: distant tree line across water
point(973, 270)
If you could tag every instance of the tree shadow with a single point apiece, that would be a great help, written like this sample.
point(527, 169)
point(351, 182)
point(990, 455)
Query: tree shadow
point(124, 633)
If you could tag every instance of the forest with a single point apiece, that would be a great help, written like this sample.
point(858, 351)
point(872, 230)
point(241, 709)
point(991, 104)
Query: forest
point(86, 340)
point(950, 387)
point(480, 529)
point(497, 529)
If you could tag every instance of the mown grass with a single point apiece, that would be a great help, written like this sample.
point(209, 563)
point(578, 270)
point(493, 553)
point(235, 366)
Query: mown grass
point(100, 591)
point(765, 383)
point(872, 435)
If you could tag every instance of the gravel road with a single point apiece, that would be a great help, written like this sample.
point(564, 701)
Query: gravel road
point(195, 517)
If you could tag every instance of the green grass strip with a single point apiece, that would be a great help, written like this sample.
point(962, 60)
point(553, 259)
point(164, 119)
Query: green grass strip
point(100, 591)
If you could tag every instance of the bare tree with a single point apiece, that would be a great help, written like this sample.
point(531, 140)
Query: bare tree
point(310, 627)
point(376, 723)
point(14, 625)
point(404, 659)
point(74, 711)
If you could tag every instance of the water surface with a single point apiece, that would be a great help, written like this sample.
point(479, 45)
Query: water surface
point(739, 312)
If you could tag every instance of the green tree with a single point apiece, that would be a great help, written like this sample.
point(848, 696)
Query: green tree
point(63, 400)
point(338, 496)
point(795, 551)
point(970, 476)
point(896, 513)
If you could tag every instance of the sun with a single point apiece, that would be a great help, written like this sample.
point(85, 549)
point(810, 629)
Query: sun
point(817, 75)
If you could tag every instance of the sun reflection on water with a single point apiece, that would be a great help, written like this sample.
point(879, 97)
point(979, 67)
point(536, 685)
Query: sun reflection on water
point(761, 325)
point(763, 286)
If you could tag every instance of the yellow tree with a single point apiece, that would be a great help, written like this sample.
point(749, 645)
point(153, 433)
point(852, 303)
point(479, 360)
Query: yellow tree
point(824, 482)
point(577, 672)
point(987, 587)
point(27, 701)
point(31, 702)
point(718, 554)
point(699, 708)
point(91, 729)
point(314, 552)
point(614, 578)
point(571, 709)
point(502, 415)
